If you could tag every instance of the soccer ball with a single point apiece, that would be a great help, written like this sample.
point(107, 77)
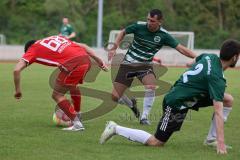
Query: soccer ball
point(60, 118)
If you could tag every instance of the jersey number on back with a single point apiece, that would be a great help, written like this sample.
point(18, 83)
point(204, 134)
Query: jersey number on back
point(53, 43)
point(198, 68)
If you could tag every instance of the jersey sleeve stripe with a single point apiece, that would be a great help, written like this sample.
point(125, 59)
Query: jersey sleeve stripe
point(26, 61)
point(47, 61)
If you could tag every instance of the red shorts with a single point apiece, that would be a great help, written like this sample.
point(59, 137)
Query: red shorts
point(74, 77)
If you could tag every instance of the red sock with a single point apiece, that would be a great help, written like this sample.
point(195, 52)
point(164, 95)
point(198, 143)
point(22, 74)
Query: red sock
point(67, 108)
point(76, 99)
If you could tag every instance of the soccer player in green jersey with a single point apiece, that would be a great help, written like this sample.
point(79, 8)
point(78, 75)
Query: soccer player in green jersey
point(201, 85)
point(66, 29)
point(149, 37)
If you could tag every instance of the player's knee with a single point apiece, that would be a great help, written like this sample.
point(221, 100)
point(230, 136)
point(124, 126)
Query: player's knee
point(228, 100)
point(56, 97)
point(115, 98)
point(152, 141)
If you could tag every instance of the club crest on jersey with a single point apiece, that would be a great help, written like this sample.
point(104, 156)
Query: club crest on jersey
point(157, 39)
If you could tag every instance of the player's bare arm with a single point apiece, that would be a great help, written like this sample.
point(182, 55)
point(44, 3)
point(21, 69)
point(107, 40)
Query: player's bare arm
point(119, 38)
point(92, 54)
point(218, 108)
point(17, 76)
point(185, 51)
point(189, 64)
point(72, 35)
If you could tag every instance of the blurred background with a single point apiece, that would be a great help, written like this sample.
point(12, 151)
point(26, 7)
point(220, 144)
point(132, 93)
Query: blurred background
point(212, 21)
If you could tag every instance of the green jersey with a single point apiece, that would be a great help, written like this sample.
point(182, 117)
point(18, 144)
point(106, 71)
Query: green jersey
point(145, 43)
point(66, 30)
point(202, 82)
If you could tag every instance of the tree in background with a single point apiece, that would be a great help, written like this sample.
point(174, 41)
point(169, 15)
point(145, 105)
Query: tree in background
point(211, 20)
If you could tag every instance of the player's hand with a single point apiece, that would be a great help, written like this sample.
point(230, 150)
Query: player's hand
point(189, 64)
point(111, 53)
point(157, 60)
point(104, 67)
point(18, 95)
point(221, 148)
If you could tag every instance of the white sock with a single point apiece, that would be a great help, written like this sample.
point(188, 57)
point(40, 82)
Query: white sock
point(212, 130)
point(149, 98)
point(226, 112)
point(77, 123)
point(126, 101)
point(133, 134)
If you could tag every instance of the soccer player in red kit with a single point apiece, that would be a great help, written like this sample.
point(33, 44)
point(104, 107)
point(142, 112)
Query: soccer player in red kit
point(73, 62)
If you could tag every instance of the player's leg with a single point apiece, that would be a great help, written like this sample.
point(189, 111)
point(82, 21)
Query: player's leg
point(120, 84)
point(153, 141)
point(117, 93)
point(59, 97)
point(65, 82)
point(135, 135)
point(119, 97)
point(65, 105)
point(170, 122)
point(76, 77)
point(76, 99)
point(227, 103)
point(149, 82)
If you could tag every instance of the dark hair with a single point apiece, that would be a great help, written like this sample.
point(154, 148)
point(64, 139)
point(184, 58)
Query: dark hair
point(28, 44)
point(229, 49)
point(157, 12)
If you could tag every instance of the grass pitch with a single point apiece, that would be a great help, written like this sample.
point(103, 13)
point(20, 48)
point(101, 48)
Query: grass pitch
point(27, 131)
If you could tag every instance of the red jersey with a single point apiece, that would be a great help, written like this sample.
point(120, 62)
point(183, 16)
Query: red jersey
point(53, 51)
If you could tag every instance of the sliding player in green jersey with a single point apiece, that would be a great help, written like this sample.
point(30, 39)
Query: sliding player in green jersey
point(201, 85)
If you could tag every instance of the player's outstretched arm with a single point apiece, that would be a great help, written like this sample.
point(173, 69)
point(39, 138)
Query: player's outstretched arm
point(185, 51)
point(93, 55)
point(119, 38)
point(218, 115)
point(17, 76)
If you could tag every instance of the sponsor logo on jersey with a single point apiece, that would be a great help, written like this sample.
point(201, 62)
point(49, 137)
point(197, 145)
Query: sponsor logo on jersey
point(157, 39)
